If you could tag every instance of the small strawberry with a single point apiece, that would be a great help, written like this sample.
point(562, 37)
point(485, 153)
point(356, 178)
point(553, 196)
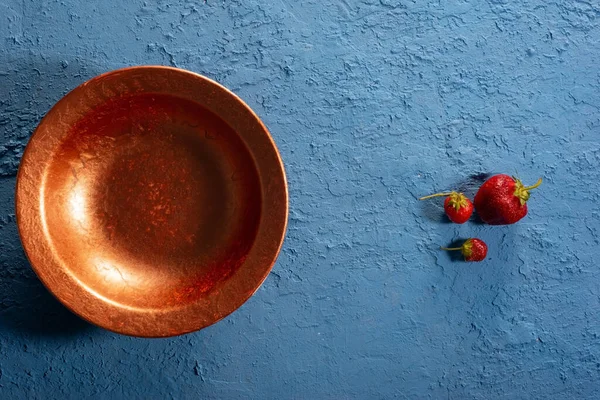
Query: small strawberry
point(472, 249)
point(457, 206)
point(501, 200)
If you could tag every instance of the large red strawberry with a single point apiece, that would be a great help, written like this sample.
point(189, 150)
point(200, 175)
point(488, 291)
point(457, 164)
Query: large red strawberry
point(472, 249)
point(502, 200)
point(457, 206)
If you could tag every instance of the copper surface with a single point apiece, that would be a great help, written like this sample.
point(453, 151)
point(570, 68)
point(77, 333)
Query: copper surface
point(151, 201)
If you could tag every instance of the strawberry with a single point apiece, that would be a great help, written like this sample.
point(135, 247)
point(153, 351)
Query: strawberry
point(457, 206)
point(501, 200)
point(472, 249)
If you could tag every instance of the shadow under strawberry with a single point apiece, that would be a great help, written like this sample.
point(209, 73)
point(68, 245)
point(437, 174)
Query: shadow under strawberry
point(469, 187)
point(434, 211)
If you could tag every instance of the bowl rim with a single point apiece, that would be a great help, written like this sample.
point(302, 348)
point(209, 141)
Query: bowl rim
point(123, 319)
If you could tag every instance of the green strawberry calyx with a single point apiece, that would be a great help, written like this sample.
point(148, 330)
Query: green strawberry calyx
point(457, 200)
point(522, 191)
point(466, 249)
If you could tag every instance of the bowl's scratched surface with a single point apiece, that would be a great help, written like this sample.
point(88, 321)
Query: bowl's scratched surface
point(137, 202)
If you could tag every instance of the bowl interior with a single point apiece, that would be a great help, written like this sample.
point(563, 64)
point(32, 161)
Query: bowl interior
point(161, 197)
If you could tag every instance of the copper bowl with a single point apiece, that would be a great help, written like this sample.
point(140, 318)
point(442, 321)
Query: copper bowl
point(151, 201)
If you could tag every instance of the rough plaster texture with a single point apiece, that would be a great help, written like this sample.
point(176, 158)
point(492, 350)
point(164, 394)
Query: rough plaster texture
point(372, 104)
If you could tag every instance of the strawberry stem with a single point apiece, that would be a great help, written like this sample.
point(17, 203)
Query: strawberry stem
point(436, 195)
point(451, 248)
point(538, 183)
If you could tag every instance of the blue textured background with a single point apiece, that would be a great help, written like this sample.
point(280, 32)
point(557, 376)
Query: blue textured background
point(372, 104)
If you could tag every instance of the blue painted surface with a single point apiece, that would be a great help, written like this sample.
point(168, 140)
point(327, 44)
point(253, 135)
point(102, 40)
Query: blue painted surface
point(372, 104)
